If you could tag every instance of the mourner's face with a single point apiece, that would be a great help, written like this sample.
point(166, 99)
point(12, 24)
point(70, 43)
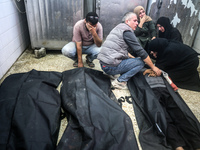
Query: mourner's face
point(89, 25)
point(160, 28)
point(133, 22)
point(141, 13)
point(154, 54)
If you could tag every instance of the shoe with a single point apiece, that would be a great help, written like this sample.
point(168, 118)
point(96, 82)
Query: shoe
point(119, 85)
point(90, 63)
point(75, 64)
point(113, 77)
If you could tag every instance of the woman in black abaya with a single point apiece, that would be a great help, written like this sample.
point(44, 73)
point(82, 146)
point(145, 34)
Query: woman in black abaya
point(166, 30)
point(178, 60)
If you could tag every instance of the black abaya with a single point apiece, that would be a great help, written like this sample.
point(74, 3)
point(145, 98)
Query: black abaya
point(179, 61)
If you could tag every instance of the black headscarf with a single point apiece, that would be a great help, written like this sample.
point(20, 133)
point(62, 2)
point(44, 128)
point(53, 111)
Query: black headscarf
point(158, 44)
point(170, 32)
point(171, 53)
point(165, 22)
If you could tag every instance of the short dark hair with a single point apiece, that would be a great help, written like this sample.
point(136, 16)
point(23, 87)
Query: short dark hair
point(92, 17)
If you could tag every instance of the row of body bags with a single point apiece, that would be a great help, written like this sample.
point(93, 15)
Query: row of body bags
point(31, 108)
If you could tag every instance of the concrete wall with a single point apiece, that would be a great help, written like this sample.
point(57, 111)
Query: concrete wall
point(196, 45)
point(14, 35)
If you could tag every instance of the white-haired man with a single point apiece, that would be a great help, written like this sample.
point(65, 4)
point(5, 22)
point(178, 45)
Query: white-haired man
point(114, 55)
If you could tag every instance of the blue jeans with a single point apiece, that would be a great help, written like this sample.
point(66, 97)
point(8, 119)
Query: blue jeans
point(69, 50)
point(127, 68)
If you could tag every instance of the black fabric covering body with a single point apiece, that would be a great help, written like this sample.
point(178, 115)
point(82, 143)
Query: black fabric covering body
point(151, 116)
point(30, 111)
point(95, 120)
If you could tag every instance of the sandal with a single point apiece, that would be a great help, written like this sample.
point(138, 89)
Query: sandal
point(90, 63)
point(75, 64)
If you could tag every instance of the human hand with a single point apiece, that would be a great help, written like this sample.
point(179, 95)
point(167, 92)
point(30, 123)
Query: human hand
point(142, 20)
point(130, 56)
point(157, 71)
point(153, 38)
point(91, 28)
point(150, 72)
point(80, 64)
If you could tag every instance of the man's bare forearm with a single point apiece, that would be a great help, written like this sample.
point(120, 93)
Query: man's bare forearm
point(79, 54)
point(97, 40)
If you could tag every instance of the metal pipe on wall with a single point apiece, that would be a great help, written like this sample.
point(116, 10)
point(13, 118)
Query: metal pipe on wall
point(89, 6)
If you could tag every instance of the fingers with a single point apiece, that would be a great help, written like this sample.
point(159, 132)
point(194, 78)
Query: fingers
point(91, 27)
point(158, 72)
point(153, 38)
point(147, 71)
point(152, 75)
point(150, 72)
point(80, 65)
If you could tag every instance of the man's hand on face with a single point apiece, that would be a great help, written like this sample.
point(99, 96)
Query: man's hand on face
point(91, 28)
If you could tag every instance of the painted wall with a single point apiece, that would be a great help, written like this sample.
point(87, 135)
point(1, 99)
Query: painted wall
point(196, 45)
point(14, 35)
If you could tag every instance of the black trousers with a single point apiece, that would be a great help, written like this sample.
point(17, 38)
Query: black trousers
point(179, 131)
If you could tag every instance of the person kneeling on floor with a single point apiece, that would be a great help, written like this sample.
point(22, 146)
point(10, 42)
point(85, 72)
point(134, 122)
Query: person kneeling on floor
point(115, 57)
point(87, 39)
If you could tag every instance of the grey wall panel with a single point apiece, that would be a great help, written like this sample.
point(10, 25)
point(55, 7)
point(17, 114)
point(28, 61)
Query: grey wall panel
point(184, 15)
point(51, 21)
point(111, 11)
point(89, 5)
point(196, 45)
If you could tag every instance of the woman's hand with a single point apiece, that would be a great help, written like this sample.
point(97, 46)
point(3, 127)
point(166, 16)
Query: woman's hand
point(143, 19)
point(153, 38)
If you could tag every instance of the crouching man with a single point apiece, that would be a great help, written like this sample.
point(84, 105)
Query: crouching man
point(115, 57)
point(87, 39)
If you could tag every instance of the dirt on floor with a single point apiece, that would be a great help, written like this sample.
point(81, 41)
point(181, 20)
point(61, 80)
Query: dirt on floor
point(55, 61)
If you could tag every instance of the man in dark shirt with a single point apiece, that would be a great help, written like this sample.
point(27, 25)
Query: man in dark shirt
point(115, 57)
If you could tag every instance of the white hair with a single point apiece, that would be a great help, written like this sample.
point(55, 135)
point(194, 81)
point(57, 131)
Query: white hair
point(128, 16)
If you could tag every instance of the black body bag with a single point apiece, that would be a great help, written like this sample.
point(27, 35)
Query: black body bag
point(95, 120)
point(151, 117)
point(30, 111)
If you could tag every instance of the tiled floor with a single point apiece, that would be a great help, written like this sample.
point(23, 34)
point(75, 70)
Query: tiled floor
point(55, 61)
